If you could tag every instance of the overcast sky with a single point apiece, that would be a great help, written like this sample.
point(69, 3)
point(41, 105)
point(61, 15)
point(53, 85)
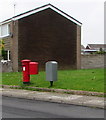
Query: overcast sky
point(89, 12)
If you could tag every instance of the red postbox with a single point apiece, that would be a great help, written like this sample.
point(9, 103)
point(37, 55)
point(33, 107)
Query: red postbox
point(33, 68)
point(28, 68)
point(25, 70)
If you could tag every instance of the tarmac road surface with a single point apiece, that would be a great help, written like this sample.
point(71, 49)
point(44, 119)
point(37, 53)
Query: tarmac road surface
point(24, 108)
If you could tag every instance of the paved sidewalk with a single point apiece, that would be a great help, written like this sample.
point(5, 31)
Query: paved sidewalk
point(83, 100)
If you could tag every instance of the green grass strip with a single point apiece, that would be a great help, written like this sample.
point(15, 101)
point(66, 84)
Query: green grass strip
point(85, 79)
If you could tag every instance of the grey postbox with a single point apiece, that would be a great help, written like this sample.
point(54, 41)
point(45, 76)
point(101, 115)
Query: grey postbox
point(51, 71)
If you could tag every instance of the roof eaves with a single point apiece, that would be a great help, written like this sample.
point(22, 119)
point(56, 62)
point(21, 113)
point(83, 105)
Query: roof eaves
point(66, 15)
point(22, 14)
point(40, 9)
point(88, 46)
point(6, 21)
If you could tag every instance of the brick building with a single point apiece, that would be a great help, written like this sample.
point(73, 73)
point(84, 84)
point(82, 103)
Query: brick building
point(43, 34)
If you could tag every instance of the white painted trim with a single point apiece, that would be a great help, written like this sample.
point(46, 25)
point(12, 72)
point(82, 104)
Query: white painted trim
point(4, 36)
point(66, 16)
point(6, 22)
point(40, 9)
point(8, 55)
point(7, 30)
point(30, 13)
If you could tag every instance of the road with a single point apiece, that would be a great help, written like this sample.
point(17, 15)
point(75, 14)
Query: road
point(23, 108)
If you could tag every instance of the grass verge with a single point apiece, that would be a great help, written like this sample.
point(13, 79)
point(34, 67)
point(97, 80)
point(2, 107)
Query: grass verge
point(86, 80)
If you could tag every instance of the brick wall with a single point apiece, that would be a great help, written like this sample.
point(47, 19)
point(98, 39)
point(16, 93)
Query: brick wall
point(92, 61)
point(87, 62)
point(47, 36)
point(11, 44)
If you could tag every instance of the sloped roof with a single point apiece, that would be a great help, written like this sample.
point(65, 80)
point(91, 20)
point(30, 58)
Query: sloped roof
point(96, 46)
point(82, 47)
point(40, 9)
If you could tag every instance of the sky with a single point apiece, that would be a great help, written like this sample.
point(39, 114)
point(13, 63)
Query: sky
point(89, 12)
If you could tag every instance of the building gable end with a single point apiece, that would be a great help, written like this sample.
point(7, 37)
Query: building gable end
point(41, 9)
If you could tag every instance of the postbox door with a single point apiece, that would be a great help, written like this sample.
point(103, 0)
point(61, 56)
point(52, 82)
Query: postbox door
point(33, 68)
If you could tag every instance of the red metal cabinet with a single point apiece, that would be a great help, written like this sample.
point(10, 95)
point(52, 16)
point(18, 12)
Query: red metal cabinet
point(33, 68)
point(25, 70)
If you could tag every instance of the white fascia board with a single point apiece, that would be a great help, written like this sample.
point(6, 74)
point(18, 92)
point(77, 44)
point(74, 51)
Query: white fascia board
point(66, 16)
point(5, 22)
point(43, 8)
point(24, 15)
point(30, 13)
point(40, 9)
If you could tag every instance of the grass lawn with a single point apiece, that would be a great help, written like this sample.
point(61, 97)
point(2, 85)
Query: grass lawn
point(87, 80)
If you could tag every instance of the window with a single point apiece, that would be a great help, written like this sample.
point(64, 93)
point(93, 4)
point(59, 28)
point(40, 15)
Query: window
point(6, 55)
point(4, 30)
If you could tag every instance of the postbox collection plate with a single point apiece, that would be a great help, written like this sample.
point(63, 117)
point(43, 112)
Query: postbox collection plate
point(23, 68)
